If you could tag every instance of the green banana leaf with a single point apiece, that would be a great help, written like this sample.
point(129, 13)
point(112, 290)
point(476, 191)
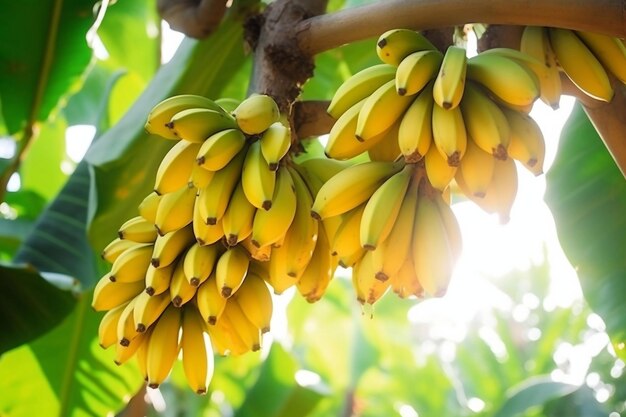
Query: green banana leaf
point(587, 194)
point(65, 373)
point(44, 52)
point(533, 392)
point(29, 306)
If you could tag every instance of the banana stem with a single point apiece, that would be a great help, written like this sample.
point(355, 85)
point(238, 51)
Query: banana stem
point(325, 32)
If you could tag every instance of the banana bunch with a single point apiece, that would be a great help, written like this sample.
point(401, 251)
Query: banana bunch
point(587, 59)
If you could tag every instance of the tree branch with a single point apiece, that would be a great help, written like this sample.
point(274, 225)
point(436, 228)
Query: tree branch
point(195, 18)
point(329, 31)
point(311, 119)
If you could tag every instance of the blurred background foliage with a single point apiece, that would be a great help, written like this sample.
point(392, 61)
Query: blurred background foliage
point(75, 161)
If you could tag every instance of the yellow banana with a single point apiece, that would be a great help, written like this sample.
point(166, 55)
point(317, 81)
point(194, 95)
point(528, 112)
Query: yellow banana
point(176, 167)
point(394, 45)
point(416, 70)
point(148, 207)
point(318, 273)
point(162, 113)
point(270, 226)
point(485, 122)
point(358, 87)
point(126, 329)
point(257, 179)
point(107, 329)
point(449, 135)
point(199, 262)
point(181, 291)
point(438, 171)
point(206, 234)
point(163, 346)
point(158, 279)
point(168, 247)
point(141, 353)
point(450, 81)
point(256, 113)
point(316, 171)
point(476, 168)
point(225, 339)
point(387, 148)
point(275, 144)
point(239, 323)
point(381, 210)
point(230, 270)
point(405, 283)
point(115, 249)
point(255, 301)
point(132, 264)
point(527, 143)
point(220, 148)
point(148, 309)
point(609, 50)
point(380, 111)
point(197, 351)
point(342, 141)
point(175, 210)
point(138, 230)
point(535, 42)
point(228, 104)
point(368, 288)
point(238, 217)
point(209, 300)
point(196, 125)
point(124, 353)
point(503, 189)
point(351, 187)
point(415, 134)
point(200, 177)
point(260, 254)
point(451, 224)
point(346, 245)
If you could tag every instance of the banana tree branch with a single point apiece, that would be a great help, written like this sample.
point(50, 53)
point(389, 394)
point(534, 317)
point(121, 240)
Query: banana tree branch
point(329, 31)
point(311, 119)
point(195, 18)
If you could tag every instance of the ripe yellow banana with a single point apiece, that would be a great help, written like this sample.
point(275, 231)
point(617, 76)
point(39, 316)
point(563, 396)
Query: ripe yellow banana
point(346, 245)
point(415, 134)
point(124, 353)
point(485, 122)
point(148, 207)
point(476, 168)
point(416, 70)
point(450, 81)
point(255, 301)
point(199, 262)
point(141, 353)
point(449, 135)
point(502, 190)
point(209, 300)
point(158, 279)
point(107, 329)
point(368, 288)
point(609, 50)
point(405, 283)
point(168, 247)
point(181, 291)
point(316, 171)
point(358, 87)
point(220, 148)
point(196, 125)
point(126, 329)
point(238, 217)
point(200, 177)
point(239, 323)
point(351, 187)
point(394, 45)
point(115, 249)
point(162, 113)
point(256, 113)
point(275, 144)
point(535, 43)
point(451, 225)
point(387, 148)
point(132, 264)
point(175, 210)
point(342, 142)
point(320, 270)
point(148, 309)
point(380, 111)
point(260, 254)
point(438, 171)
point(527, 143)
point(257, 179)
point(175, 168)
point(206, 234)
point(138, 230)
point(226, 341)
point(163, 346)
point(230, 270)
point(197, 351)
point(382, 208)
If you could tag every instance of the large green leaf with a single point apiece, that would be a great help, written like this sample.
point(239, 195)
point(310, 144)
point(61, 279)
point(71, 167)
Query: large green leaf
point(43, 54)
point(29, 306)
point(587, 194)
point(533, 392)
point(65, 373)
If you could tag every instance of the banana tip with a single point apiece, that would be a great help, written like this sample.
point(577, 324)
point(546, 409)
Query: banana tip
point(316, 215)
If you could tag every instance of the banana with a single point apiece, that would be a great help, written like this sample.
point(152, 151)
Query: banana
point(387, 149)
point(485, 122)
point(451, 224)
point(126, 329)
point(270, 226)
point(209, 300)
point(148, 207)
point(405, 283)
point(226, 341)
point(609, 50)
point(108, 294)
point(158, 279)
point(197, 355)
point(176, 167)
point(438, 171)
point(394, 45)
point(228, 104)
point(580, 65)
point(168, 247)
point(358, 87)
point(381, 210)
point(107, 329)
point(415, 134)
point(509, 80)
point(220, 148)
point(124, 353)
point(380, 111)
point(199, 262)
point(535, 43)
point(200, 177)
point(260, 254)
point(181, 291)
point(395, 248)
point(450, 81)
point(175, 210)
point(256, 113)
point(138, 230)
point(351, 187)
point(342, 142)
point(238, 217)
point(416, 70)
point(368, 288)
point(196, 125)
point(148, 309)
point(432, 255)
point(132, 264)
point(239, 323)
point(346, 245)
point(162, 113)
point(230, 270)
point(163, 346)
point(115, 249)
point(316, 171)
point(476, 168)
point(527, 143)
point(275, 144)
point(255, 301)
point(212, 200)
point(141, 353)
point(206, 234)
point(257, 179)
point(318, 273)
point(449, 135)
point(501, 193)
